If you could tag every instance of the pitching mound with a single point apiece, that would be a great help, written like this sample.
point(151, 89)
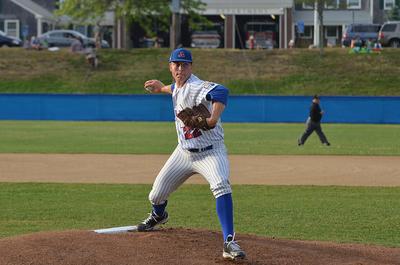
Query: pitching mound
point(178, 246)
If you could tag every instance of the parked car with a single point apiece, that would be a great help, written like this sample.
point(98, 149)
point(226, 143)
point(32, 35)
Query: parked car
point(206, 39)
point(147, 42)
point(9, 41)
point(389, 35)
point(363, 32)
point(64, 38)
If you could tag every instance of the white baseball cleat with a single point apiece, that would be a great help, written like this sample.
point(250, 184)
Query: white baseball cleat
point(232, 249)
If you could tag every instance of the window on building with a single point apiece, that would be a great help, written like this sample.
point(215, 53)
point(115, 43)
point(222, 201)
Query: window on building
point(11, 27)
point(331, 32)
point(59, 4)
point(329, 4)
point(353, 4)
point(81, 29)
point(308, 32)
point(45, 27)
point(308, 6)
point(332, 4)
point(388, 4)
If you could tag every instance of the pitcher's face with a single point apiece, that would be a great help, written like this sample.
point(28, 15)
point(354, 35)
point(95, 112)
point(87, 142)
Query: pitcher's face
point(180, 71)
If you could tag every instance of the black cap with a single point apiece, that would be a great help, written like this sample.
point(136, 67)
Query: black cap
point(316, 96)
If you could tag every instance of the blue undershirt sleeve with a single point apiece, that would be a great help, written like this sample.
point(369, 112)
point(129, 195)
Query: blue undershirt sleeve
point(172, 87)
point(218, 94)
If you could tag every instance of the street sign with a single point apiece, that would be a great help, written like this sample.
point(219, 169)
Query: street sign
point(176, 6)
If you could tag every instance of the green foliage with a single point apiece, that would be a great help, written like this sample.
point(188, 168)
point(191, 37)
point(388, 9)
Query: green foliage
point(85, 10)
point(394, 13)
point(143, 12)
point(243, 138)
point(296, 212)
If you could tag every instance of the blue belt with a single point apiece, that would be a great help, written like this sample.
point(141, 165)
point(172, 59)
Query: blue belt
point(198, 150)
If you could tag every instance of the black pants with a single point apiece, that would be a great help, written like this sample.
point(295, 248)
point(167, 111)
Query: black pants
point(311, 127)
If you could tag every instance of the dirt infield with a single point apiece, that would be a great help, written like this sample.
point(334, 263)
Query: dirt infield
point(179, 246)
point(248, 169)
point(188, 246)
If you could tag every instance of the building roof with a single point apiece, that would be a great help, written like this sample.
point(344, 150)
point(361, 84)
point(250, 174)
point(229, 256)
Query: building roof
point(251, 7)
point(35, 9)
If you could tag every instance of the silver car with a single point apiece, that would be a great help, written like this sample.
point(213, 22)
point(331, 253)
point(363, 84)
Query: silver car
point(64, 38)
point(389, 35)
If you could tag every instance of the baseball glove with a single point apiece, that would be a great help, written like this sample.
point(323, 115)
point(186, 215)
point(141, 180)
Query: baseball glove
point(195, 117)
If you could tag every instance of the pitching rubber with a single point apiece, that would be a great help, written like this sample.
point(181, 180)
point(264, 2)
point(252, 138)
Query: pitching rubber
point(117, 230)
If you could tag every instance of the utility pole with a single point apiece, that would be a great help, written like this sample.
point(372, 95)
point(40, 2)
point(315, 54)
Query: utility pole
point(175, 29)
point(316, 25)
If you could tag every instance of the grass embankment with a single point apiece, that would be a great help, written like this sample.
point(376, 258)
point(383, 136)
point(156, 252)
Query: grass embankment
point(341, 214)
point(277, 72)
point(160, 138)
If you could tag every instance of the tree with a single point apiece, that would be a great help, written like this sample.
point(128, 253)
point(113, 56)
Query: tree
point(319, 6)
point(143, 12)
point(394, 13)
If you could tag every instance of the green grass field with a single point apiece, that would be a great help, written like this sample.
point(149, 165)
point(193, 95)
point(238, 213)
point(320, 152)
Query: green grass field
point(368, 215)
point(160, 138)
point(341, 214)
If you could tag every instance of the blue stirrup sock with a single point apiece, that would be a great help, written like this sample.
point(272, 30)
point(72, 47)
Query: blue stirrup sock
point(225, 214)
point(160, 208)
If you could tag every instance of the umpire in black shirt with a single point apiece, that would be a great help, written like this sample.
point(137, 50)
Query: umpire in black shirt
point(314, 123)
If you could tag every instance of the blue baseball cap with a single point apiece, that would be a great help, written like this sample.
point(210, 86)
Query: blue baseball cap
point(181, 55)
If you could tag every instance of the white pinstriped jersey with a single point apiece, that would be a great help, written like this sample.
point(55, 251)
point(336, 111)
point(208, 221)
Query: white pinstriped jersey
point(193, 93)
point(212, 164)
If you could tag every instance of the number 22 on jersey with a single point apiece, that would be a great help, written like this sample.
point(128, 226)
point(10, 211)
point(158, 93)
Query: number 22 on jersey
point(191, 133)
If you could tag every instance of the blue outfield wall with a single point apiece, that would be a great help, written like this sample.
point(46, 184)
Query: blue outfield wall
point(159, 108)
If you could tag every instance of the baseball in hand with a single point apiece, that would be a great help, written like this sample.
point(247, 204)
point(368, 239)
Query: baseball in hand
point(152, 85)
point(149, 88)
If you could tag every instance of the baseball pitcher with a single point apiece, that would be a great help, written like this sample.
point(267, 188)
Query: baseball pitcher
point(198, 106)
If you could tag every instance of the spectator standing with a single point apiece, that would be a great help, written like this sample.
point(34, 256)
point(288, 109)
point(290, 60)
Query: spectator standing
point(252, 41)
point(77, 45)
point(291, 44)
